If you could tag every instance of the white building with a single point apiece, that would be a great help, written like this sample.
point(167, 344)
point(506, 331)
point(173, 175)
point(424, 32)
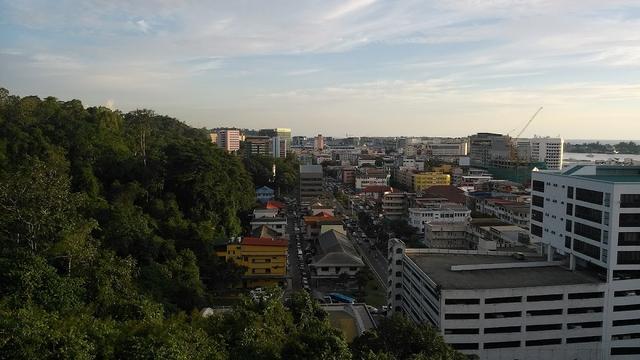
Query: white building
point(418, 217)
point(543, 149)
point(589, 217)
point(363, 181)
point(497, 306)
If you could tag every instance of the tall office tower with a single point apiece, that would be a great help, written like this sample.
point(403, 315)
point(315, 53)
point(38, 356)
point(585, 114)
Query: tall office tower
point(257, 145)
point(278, 147)
point(485, 148)
point(282, 133)
point(228, 139)
point(319, 142)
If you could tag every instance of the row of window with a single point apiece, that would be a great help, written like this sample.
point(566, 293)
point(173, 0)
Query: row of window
point(528, 343)
point(530, 298)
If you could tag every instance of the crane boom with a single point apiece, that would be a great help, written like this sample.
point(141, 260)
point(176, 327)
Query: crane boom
point(528, 123)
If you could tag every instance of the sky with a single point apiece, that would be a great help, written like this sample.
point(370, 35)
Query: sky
point(357, 67)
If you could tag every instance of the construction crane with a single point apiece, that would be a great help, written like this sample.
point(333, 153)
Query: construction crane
point(515, 157)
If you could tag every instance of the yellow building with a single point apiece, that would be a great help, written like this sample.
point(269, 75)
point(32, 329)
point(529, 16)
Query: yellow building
point(265, 260)
point(424, 180)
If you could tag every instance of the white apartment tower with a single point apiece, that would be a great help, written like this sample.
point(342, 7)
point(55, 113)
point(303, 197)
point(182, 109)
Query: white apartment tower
point(589, 217)
point(542, 149)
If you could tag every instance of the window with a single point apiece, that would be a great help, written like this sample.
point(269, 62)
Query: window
point(586, 249)
point(537, 201)
point(570, 192)
point(568, 226)
point(567, 242)
point(500, 315)
point(630, 220)
point(503, 300)
point(502, 330)
point(605, 255)
point(584, 339)
point(543, 342)
point(630, 201)
point(625, 350)
point(537, 298)
point(626, 322)
point(585, 310)
point(587, 295)
point(536, 230)
point(461, 316)
point(546, 312)
point(569, 209)
point(588, 214)
point(462, 301)
point(536, 215)
point(628, 257)
point(605, 237)
point(501, 344)
point(537, 185)
point(629, 239)
point(590, 196)
point(544, 327)
point(584, 325)
point(633, 307)
point(605, 219)
point(587, 231)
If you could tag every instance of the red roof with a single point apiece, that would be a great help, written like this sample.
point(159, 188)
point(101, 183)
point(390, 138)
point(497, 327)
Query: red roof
point(272, 204)
point(449, 192)
point(377, 189)
point(264, 242)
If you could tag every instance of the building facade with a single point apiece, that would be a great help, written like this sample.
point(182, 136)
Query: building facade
point(498, 306)
point(589, 216)
point(228, 139)
point(310, 182)
point(418, 217)
point(265, 260)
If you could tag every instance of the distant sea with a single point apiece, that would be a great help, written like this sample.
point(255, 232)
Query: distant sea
point(583, 157)
point(606, 142)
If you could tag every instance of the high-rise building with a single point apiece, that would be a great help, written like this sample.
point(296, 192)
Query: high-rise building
point(589, 218)
point(214, 137)
point(228, 139)
point(278, 147)
point(484, 148)
point(319, 143)
point(544, 149)
point(257, 145)
point(282, 133)
point(310, 182)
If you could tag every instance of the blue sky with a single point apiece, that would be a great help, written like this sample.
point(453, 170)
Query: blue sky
point(364, 67)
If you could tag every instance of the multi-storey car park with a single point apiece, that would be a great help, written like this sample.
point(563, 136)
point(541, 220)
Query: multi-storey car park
point(580, 300)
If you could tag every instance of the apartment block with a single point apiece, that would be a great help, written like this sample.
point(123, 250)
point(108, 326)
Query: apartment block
point(228, 139)
point(418, 181)
point(589, 217)
point(418, 217)
point(265, 260)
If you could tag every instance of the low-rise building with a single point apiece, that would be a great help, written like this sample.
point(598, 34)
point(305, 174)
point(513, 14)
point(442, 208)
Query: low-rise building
point(418, 181)
point(264, 194)
point(444, 234)
point(418, 217)
point(395, 205)
point(265, 260)
point(336, 257)
point(277, 224)
point(311, 180)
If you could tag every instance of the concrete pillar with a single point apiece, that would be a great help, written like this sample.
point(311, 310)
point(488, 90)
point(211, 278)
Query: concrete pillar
point(550, 252)
point(572, 262)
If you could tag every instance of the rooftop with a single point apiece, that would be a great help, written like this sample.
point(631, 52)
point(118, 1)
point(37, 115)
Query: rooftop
point(252, 241)
point(310, 168)
point(606, 173)
point(438, 268)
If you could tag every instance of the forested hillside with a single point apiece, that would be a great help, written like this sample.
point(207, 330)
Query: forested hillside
point(107, 227)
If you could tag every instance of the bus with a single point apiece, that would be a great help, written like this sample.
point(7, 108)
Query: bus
point(340, 298)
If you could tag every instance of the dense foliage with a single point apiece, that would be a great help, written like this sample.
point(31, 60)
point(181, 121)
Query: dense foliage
point(261, 169)
point(599, 148)
point(107, 227)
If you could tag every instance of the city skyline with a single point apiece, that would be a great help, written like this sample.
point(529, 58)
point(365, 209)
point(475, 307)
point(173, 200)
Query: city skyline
point(365, 67)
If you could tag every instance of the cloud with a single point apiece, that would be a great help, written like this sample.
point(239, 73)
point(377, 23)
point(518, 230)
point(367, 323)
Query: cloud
point(302, 72)
point(143, 26)
point(347, 7)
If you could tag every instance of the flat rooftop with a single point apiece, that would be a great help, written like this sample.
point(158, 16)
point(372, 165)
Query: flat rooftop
point(605, 173)
point(438, 268)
